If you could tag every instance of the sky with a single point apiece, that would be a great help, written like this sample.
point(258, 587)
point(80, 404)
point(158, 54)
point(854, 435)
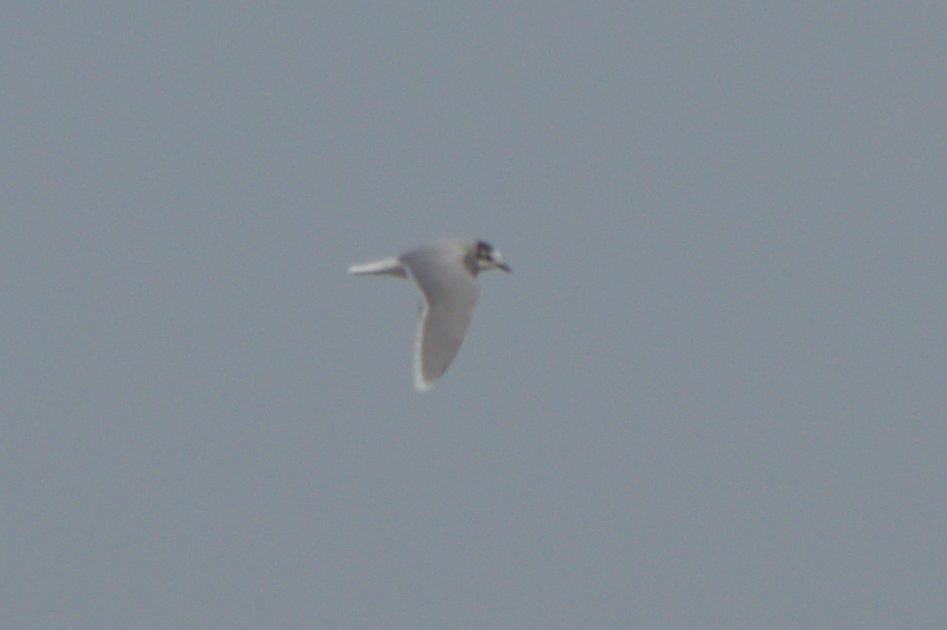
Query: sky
point(711, 395)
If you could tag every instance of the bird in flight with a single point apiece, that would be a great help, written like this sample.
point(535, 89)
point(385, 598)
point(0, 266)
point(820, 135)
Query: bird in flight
point(446, 272)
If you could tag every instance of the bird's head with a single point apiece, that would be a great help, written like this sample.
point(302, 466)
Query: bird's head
point(489, 258)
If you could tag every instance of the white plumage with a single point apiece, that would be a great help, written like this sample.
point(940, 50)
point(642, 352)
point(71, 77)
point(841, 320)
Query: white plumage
point(446, 272)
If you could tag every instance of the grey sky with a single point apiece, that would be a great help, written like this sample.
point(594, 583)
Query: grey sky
point(712, 394)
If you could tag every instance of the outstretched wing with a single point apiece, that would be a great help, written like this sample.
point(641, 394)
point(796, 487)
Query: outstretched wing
point(385, 267)
point(450, 295)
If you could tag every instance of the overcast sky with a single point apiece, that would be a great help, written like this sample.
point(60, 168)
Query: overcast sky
point(711, 395)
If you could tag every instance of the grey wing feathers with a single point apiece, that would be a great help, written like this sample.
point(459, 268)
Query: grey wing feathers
point(450, 295)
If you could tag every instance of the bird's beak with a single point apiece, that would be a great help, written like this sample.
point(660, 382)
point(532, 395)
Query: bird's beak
point(504, 267)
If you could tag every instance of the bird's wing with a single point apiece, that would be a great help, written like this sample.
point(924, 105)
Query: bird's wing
point(450, 295)
point(385, 267)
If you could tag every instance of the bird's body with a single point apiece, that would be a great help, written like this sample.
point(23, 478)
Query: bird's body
point(446, 272)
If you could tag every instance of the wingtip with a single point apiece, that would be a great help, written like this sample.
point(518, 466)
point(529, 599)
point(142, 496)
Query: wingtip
point(420, 384)
point(421, 387)
point(383, 267)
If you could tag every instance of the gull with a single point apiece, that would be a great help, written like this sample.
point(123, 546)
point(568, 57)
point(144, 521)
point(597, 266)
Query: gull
point(446, 272)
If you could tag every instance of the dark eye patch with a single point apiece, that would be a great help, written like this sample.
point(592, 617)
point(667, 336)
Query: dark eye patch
point(483, 250)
